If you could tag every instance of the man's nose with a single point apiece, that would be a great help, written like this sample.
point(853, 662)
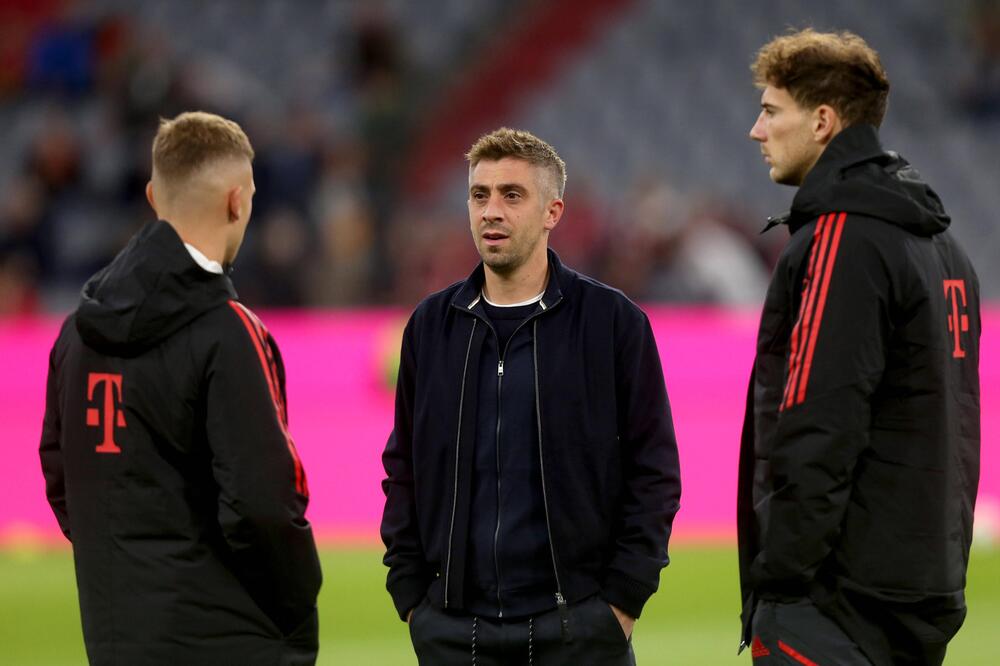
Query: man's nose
point(493, 210)
point(757, 131)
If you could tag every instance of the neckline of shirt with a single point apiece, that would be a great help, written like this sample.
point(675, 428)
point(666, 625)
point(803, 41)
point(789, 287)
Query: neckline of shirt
point(203, 261)
point(530, 301)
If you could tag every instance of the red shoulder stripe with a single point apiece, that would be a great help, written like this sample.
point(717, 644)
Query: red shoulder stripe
point(814, 333)
point(258, 335)
point(274, 383)
point(259, 340)
point(801, 328)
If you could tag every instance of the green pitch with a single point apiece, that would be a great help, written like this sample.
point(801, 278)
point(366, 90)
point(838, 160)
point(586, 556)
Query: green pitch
point(691, 622)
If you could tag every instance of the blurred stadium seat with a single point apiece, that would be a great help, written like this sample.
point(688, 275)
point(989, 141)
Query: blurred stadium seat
point(653, 104)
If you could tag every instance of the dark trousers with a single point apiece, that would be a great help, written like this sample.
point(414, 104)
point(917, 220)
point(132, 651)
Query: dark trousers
point(442, 638)
point(799, 633)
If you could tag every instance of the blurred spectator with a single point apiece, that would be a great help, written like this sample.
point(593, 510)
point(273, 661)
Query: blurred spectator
point(383, 123)
point(279, 253)
point(18, 295)
point(63, 58)
point(21, 210)
point(672, 251)
point(577, 239)
point(333, 112)
point(288, 160)
point(982, 85)
point(342, 273)
point(20, 247)
point(430, 251)
point(19, 20)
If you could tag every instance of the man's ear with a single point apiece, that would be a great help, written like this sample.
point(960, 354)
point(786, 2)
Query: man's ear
point(149, 197)
point(826, 123)
point(553, 214)
point(235, 204)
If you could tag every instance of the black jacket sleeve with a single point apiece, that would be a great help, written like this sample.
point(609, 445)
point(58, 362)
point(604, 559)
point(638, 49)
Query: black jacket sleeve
point(262, 491)
point(835, 361)
point(50, 451)
point(409, 574)
point(652, 486)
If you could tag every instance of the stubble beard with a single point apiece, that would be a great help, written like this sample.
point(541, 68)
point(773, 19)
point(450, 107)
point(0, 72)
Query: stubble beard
point(506, 260)
point(500, 261)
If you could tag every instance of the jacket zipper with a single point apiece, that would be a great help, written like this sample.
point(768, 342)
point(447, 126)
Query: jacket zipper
point(458, 446)
point(496, 532)
point(564, 628)
point(560, 600)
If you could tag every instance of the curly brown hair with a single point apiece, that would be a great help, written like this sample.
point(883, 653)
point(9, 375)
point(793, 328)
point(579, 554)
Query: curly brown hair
point(838, 69)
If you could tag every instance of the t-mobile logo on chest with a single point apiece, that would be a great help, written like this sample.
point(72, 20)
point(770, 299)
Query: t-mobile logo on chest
point(958, 321)
point(108, 416)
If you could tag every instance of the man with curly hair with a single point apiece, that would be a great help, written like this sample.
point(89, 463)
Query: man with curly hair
point(860, 455)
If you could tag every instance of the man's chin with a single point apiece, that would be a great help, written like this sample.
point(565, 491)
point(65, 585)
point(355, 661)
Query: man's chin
point(498, 262)
point(784, 178)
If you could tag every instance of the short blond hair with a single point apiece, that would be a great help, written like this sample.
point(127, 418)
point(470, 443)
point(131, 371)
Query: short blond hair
point(193, 139)
point(838, 69)
point(522, 145)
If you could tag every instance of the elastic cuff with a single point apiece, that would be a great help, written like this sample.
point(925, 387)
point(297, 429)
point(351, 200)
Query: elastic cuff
point(625, 592)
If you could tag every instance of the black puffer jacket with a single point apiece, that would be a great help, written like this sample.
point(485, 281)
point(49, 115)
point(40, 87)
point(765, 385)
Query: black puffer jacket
point(860, 455)
point(169, 466)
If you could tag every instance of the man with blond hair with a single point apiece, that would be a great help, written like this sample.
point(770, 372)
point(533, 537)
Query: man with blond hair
point(165, 445)
point(532, 473)
point(860, 455)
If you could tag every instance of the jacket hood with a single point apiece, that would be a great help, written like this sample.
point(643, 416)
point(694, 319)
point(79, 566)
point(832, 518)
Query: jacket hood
point(150, 290)
point(855, 175)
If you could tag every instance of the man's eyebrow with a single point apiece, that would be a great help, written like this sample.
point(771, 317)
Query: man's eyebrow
point(503, 187)
point(768, 106)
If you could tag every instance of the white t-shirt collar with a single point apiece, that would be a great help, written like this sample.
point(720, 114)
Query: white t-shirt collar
point(534, 299)
point(203, 261)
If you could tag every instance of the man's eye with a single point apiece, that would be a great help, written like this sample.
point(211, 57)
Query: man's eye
point(513, 195)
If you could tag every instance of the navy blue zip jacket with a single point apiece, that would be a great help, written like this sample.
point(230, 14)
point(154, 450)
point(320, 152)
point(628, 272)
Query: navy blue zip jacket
point(509, 573)
point(860, 455)
point(610, 472)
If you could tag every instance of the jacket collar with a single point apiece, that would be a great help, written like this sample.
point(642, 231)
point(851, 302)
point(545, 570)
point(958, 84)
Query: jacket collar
point(470, 292)
point(853, 145)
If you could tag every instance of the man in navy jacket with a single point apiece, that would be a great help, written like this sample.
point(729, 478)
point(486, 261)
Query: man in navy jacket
point(532, 473)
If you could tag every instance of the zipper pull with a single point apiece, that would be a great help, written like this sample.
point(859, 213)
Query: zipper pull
point(567, 636)
point(500, 369)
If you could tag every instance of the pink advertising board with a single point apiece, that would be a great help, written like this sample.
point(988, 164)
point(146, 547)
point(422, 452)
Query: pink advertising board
point(339, 367)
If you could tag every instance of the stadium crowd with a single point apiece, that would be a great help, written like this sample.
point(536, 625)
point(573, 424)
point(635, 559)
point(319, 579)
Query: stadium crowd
point(84, 84)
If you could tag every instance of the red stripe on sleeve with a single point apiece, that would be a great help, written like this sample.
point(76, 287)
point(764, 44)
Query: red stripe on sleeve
point(814, 333)
point(805, 311)
point(273, 383)
point(258, 335)
point(259, 340)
